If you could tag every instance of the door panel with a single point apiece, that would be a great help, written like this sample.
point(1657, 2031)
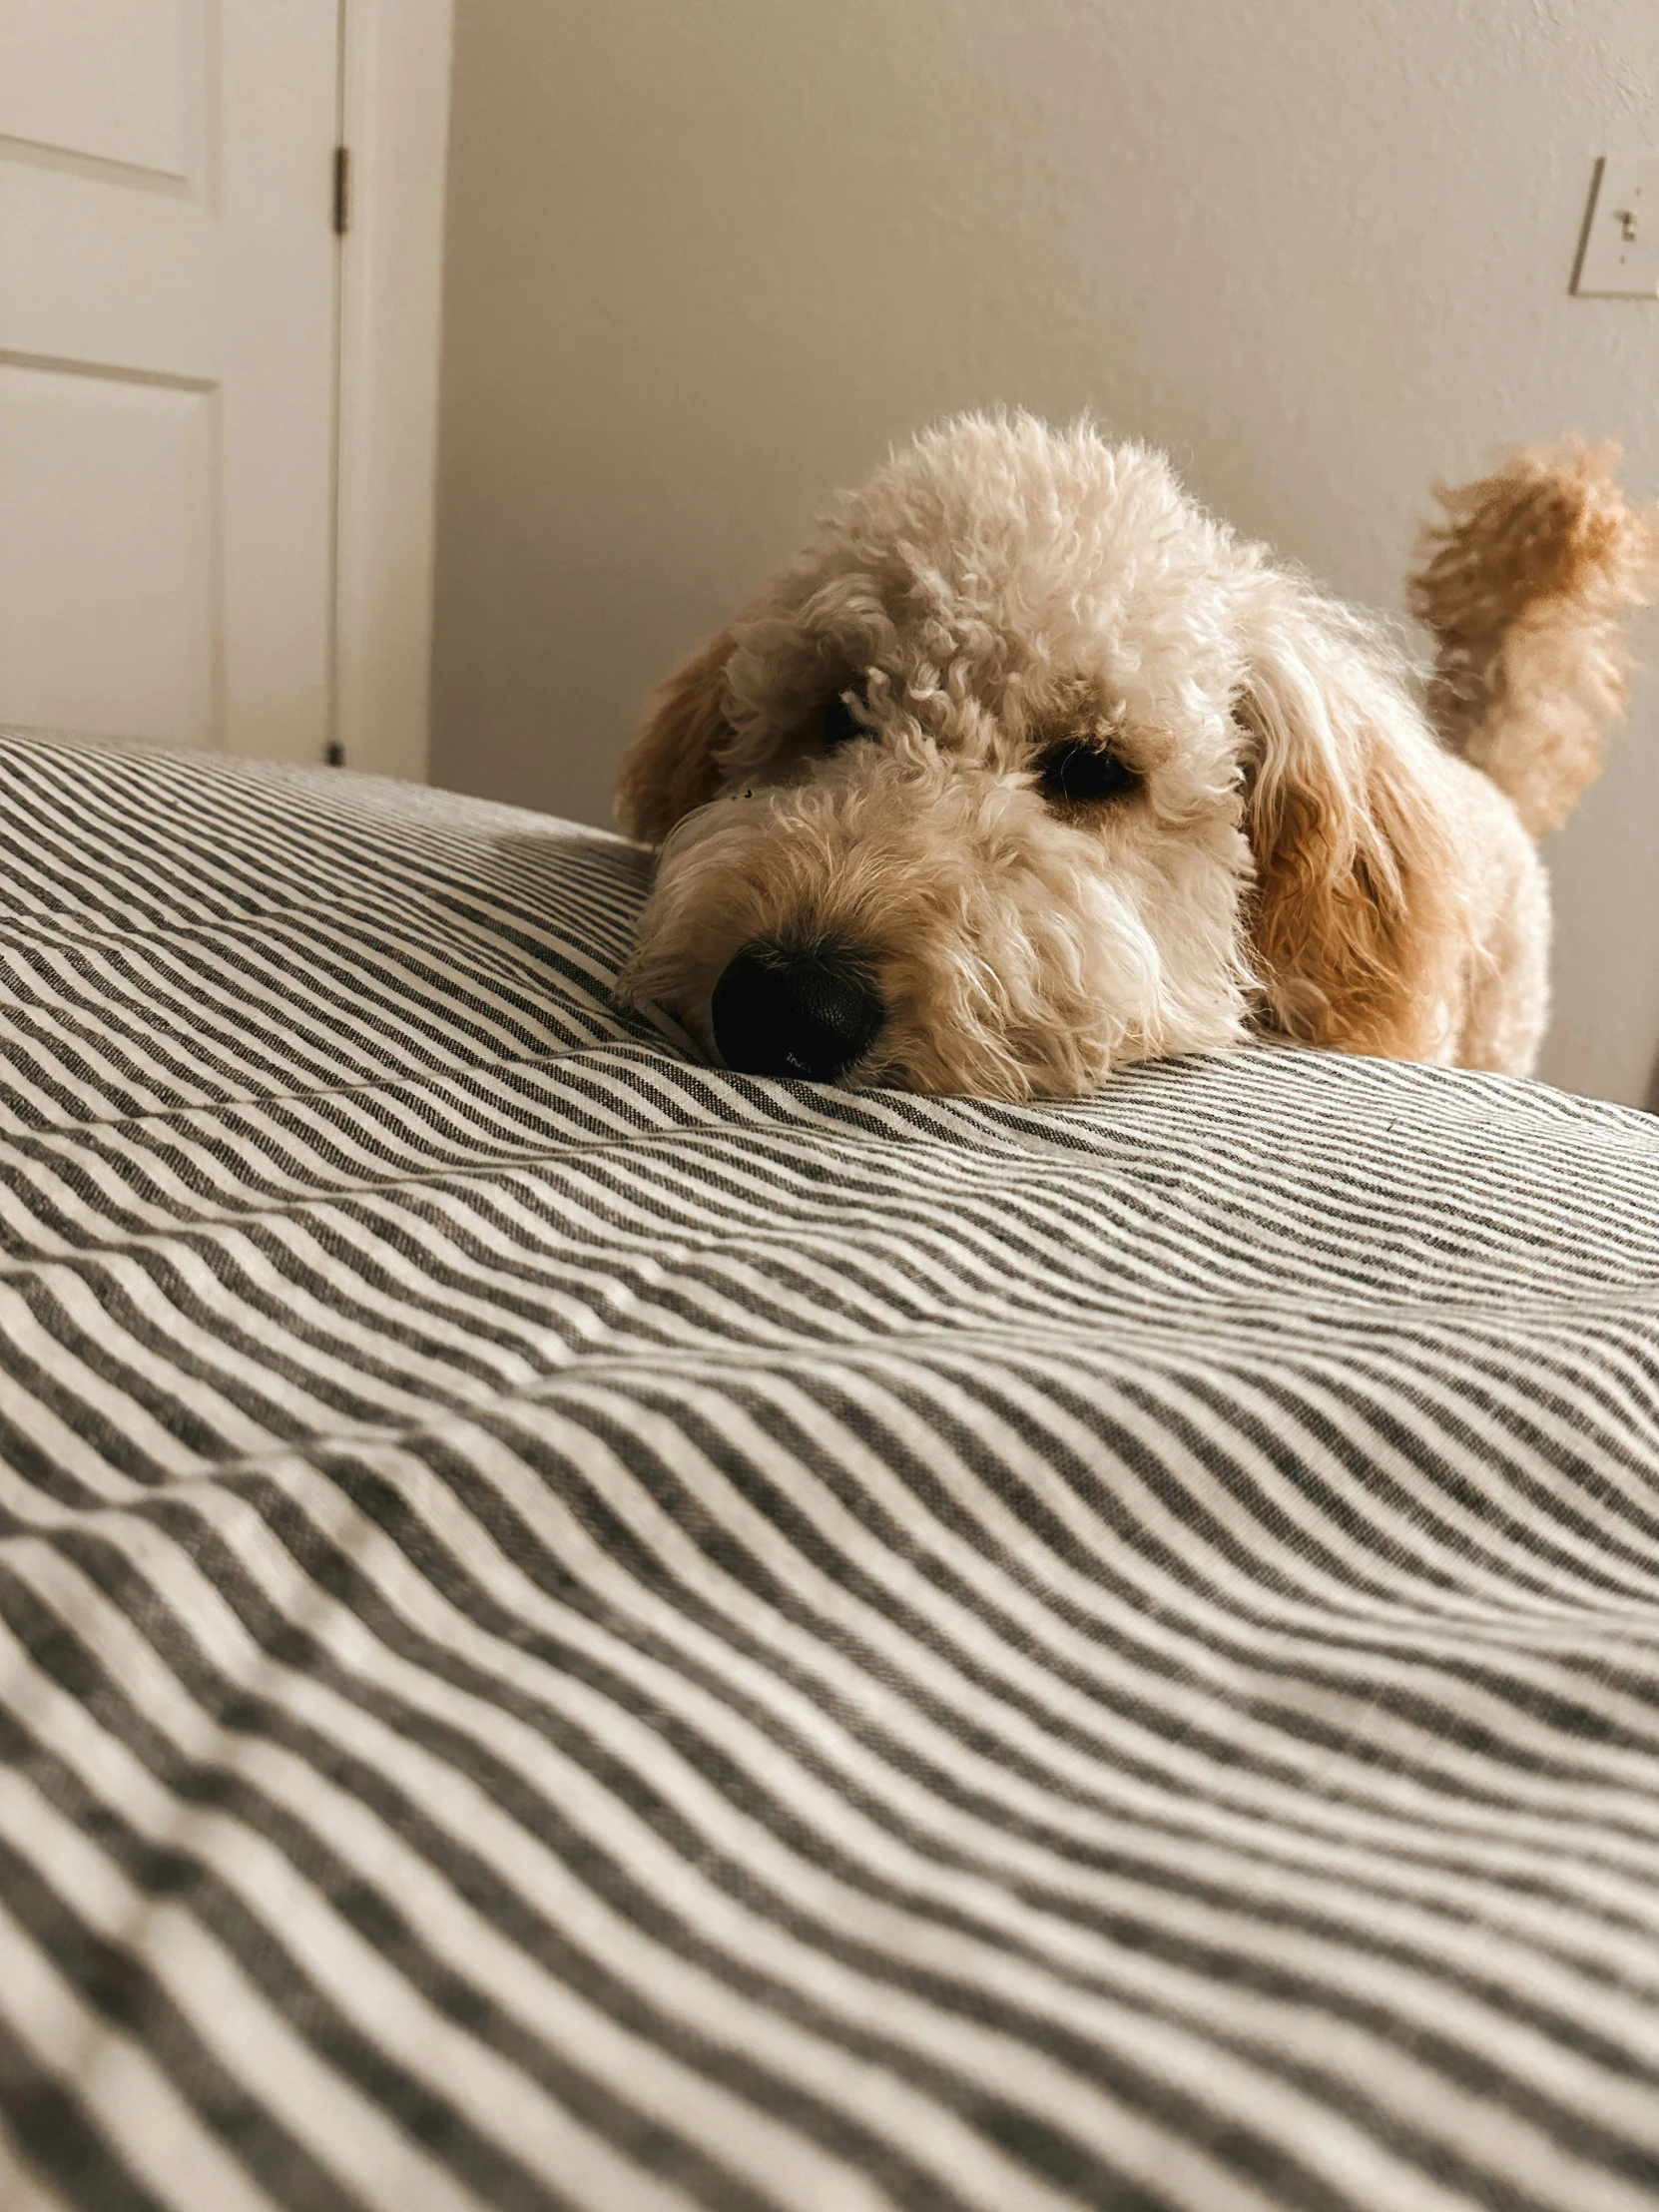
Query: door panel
point(115, 79)
point(122, 472)
point(168, 282)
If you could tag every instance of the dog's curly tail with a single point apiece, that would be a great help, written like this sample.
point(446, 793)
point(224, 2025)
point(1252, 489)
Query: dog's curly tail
point(1525, 586)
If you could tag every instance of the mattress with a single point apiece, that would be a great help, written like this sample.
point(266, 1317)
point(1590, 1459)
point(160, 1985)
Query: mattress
point(581, 1631)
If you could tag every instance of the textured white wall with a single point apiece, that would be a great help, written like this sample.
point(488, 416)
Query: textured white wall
point(707, 258)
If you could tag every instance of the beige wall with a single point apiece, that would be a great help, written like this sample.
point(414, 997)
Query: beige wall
point(707, 258)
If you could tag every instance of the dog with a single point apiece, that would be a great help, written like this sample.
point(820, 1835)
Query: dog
point(1028, 768)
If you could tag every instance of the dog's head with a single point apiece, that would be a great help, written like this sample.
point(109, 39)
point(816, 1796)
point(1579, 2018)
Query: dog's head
point(1025, 769)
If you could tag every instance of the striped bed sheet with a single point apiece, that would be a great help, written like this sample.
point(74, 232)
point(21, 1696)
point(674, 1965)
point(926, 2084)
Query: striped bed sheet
point(581, 1632)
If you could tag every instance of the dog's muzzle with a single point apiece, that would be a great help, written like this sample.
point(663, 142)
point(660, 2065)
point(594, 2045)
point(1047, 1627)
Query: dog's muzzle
point(801, 1011)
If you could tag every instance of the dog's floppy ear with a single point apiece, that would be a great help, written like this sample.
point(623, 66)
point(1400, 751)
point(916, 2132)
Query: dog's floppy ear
point(669, 766)
point(1357, 927)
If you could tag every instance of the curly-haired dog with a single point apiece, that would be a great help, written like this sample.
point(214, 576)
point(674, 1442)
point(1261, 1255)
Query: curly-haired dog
point(1027, 767)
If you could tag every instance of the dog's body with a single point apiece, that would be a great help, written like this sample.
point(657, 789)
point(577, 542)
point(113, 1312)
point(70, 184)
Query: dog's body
point(1028, 768)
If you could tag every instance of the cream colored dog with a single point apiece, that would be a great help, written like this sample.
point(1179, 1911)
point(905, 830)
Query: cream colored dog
point(1027, 767)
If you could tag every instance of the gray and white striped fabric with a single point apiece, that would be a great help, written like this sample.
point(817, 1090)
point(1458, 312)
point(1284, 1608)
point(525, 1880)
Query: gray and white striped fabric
point(577, 1631)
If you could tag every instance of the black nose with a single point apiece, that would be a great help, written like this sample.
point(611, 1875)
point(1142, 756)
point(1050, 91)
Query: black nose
point(795, 1010)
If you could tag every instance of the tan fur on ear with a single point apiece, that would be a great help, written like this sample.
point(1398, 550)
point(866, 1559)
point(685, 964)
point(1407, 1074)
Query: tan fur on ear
point(1358, 934)
point(670, 769)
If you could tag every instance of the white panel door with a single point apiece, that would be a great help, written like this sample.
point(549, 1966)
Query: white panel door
point(167, 297)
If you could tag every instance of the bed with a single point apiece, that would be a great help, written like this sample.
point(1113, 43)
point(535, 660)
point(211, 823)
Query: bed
point(578, 1631)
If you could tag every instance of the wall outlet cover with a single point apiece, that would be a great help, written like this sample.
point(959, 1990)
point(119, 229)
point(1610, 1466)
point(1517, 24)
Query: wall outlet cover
point(1621, 256)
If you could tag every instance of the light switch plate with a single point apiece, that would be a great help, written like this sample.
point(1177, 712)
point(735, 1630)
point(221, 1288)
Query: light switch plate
point(1620, 259)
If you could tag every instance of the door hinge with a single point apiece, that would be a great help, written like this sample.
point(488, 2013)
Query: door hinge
point(343, 189)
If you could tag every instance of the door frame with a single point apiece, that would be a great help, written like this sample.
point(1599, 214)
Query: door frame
point(394, 120)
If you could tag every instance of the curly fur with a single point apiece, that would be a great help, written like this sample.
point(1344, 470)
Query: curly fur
point(1525, 586)
point(1294, 848)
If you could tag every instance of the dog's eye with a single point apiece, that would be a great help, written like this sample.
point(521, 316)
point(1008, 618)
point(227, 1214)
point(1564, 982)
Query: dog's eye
point(841, 724)
point(1083, 774)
